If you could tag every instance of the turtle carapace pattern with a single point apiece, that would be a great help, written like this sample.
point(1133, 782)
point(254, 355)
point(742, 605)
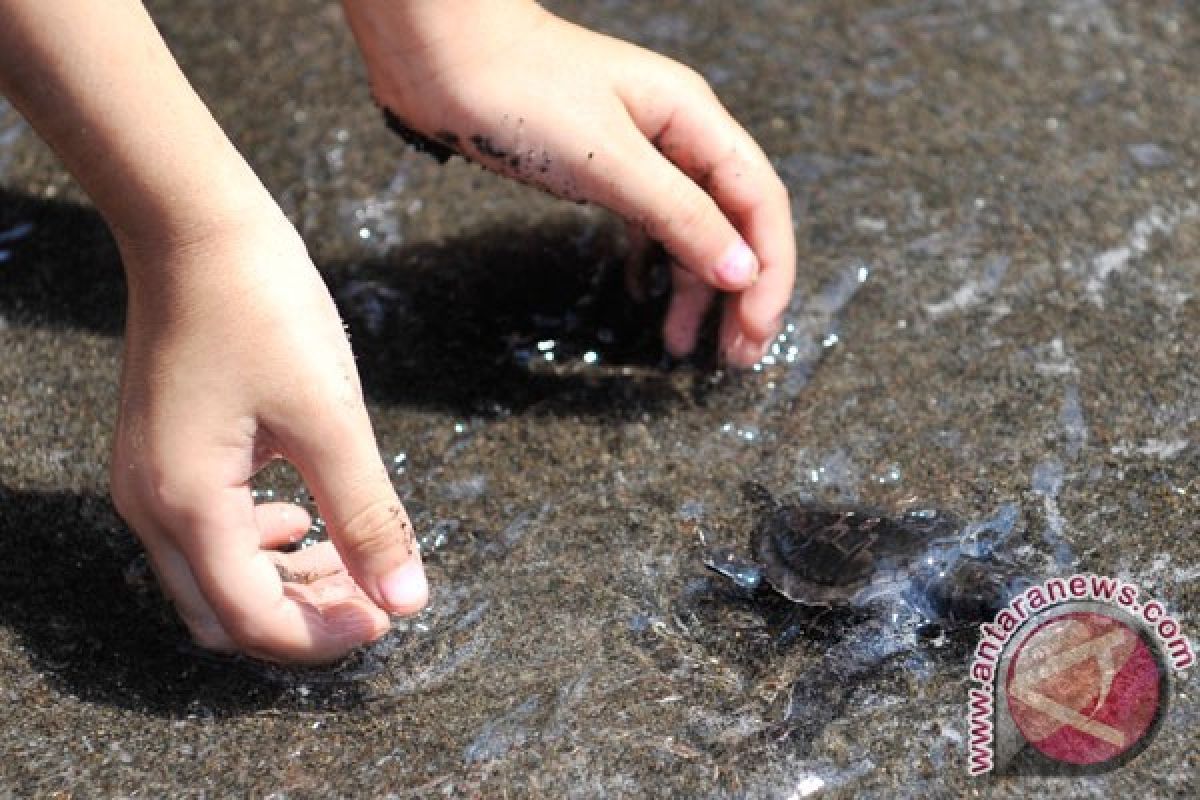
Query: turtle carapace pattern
point(827, 555)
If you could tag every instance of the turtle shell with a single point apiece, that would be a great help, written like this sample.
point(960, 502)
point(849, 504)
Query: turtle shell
point(839, 555)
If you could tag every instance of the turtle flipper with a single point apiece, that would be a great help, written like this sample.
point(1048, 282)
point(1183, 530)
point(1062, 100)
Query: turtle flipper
point(758, 497)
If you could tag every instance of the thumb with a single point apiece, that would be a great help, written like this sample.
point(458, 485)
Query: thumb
point(366, 521)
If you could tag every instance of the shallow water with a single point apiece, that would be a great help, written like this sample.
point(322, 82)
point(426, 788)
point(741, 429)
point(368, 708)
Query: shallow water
point(995, 315)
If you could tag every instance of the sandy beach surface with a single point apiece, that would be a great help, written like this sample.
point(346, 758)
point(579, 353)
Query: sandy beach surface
point(996, 315)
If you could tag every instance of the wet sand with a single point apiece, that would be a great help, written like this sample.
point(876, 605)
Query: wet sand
point(996, 308)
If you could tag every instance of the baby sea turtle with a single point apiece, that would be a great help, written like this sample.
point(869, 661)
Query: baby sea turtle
point(849, 556)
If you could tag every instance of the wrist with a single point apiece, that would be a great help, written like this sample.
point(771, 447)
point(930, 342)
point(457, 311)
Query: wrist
point(166, 223)
point(219, 247)
point(418, 53)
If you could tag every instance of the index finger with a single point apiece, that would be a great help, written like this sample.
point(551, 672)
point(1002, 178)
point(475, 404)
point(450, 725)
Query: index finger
point(696, 133)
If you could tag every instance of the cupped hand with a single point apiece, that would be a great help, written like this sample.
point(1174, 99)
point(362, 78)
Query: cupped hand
point(591, 118)
point(235, 355)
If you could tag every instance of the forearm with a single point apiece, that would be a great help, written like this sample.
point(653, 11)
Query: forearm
point(98, 83)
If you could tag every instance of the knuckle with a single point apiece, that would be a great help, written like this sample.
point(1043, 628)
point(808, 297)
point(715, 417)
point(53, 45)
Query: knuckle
point(124, 499)
point(376, 529)
point(125, 484)
point(338, 402)
point(154, 494)
point(694, 81)
point(339, 420)
point(176, 498)
point(688, 213)
point(769, 193)
point(777, 191)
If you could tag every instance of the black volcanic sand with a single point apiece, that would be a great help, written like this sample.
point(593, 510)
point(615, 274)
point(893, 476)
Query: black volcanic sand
point(1013, 183)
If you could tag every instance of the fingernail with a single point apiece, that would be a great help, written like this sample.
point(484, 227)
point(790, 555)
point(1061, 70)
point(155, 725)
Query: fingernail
point(751, 352)
point(739, 267)
point(744, 353)
point(405, 589)
point(730, 354)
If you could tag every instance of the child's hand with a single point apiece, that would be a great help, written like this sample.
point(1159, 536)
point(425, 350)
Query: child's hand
point(588, 117)
point(235, 354)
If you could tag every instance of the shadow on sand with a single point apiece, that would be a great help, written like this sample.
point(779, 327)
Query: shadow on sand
point(452, 326)
point(65, 572)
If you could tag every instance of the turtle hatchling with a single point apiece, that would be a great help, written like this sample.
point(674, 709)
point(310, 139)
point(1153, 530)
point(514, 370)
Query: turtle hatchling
point(854, 557)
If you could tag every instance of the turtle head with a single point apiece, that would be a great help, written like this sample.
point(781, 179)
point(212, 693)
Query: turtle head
point(746, 574)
